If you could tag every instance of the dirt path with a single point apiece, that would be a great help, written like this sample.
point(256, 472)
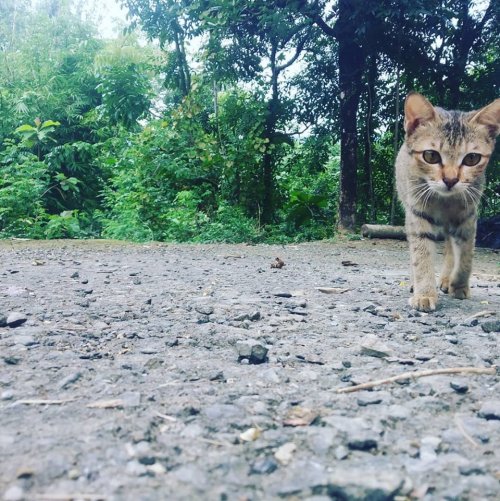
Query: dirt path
point(134, 374)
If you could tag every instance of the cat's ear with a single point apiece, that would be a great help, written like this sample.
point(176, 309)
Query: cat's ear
point(418, 110)
point(489, 116)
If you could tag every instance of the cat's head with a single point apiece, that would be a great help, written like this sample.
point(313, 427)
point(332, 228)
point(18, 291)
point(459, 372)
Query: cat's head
point(450, 149)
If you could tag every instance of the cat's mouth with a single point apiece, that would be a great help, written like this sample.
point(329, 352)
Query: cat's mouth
point(447, 188)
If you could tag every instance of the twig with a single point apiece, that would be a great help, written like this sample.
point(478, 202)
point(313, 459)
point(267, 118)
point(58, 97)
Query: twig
point(480, 314)
point(462, 430)
point(39, 401)
point(166, 417)
point(69, 497)
point(215, 442)
point(417, 374)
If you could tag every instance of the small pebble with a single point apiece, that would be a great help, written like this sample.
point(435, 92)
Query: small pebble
point(263, 466)
point(285, 453)
point(252, 350)
point(491, 326)
point(14, 493)
point(16, 319)
point(490, 410)
point(459, 386)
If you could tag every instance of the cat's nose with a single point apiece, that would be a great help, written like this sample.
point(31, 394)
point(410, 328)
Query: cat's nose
point(450, 182)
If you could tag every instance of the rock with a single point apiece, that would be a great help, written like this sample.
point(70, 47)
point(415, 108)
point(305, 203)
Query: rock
point(263, 466)
point(491, 326)
point(204, 309)
point(3, 320)
point(74, 474)
point(490, 410)
point(284, 453)
point(7, 395)
point(14, 493)
point(254, 316)
point(428, 449)
point(66, 382)
point(282, 294)
point(25, 340)
point(341, 452)
point(320, 440)
point(364, 482)
point(362, 441)
point(372, 346)
point(471, 469)
point(252, 350)
point(12, 360)
point(16, 319)
point(157, 469)
point(368, 398)
point(460, 386)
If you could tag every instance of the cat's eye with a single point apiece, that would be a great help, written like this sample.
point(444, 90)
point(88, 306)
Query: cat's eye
point(431, 156)
point(471, 159)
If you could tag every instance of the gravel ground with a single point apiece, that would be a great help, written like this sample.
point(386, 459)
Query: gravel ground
point(189, 372)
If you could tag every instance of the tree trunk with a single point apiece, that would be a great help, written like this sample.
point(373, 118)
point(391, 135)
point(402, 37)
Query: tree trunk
point(370, 93)
point(184, 81)
point(395, 144)
point(269, 132)
point(351, 64)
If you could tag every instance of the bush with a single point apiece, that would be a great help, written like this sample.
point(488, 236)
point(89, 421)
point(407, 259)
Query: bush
point(23, 182)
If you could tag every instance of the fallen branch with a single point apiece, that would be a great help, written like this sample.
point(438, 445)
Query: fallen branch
point(69, 497)
point(39, 401)
point(383, 231)
point(480, 314)
point(166, 417)
point(418, 374)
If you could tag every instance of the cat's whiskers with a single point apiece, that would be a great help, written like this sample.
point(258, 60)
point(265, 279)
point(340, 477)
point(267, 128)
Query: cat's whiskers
point(474, 194)
point(428, 197)
point(419, 195)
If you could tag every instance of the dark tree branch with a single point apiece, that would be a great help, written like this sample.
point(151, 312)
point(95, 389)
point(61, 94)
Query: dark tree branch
point(298, 51)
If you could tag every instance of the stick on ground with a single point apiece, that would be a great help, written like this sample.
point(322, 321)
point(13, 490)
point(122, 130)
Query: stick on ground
point(418, 374)
point(39, 401)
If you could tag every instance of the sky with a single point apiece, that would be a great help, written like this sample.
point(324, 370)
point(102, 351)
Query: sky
point(113, 17)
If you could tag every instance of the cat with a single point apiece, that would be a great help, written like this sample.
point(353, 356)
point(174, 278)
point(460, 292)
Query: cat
point(440, 176)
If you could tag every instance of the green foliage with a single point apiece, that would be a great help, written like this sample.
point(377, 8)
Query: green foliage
point(23, 182)
point(125, 84)
point(64, 225)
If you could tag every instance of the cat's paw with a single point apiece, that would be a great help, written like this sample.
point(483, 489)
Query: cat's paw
point(460, 291)
point(444, 284)
point(423, 303)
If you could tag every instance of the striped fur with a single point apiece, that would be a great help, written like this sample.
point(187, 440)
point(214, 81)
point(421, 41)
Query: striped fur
point(440, 191)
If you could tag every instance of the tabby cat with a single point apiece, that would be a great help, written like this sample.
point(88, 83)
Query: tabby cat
point(440, 175)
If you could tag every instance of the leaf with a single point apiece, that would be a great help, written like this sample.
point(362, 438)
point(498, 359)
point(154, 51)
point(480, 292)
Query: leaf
point(26, 128)
point(50, 123)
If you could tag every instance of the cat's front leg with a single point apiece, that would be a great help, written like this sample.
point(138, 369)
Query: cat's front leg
point(448, 264)
point(422, 251)
point(463, 249)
